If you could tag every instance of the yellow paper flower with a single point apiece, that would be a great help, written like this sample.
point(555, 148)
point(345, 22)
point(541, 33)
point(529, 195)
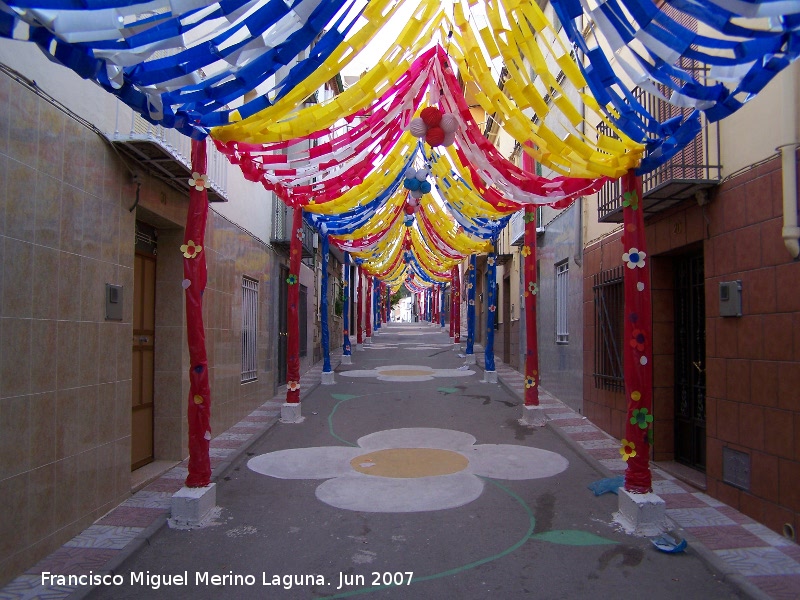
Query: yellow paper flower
point(526, 251)
point(190, 249)
point(628, 450)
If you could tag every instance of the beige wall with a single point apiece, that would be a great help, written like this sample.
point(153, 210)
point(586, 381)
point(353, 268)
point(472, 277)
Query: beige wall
point(67, 229)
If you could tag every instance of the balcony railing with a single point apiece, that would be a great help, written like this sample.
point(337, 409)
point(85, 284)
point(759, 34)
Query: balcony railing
point(689, 173)
point(282, 231)
point(167, 155)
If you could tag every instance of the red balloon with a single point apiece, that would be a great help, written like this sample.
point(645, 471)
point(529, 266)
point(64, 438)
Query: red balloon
point(431, 115)
point(435, 136)
point(409, 209)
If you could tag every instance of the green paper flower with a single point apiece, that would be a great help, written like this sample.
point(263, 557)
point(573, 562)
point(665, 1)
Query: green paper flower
point(641, 418)
point(291, 279)
point(630, 200)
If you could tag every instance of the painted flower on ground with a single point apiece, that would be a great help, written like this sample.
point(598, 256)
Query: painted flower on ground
point(408, 470)
point(190, 249)
point(641, 418)
point(634, 258)
point(198, 181)
point(291, 279)
point(630, 200)
point(293, 386)
point(628, 450)
point(407, 373)
point(638, 339)
point(526, 250)
point(530, 382)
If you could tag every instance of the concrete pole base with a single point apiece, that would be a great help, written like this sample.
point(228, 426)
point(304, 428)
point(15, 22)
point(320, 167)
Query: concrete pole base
point(327, 378)
point(643, 515)
point(190, 506)
point(291, 412)
point(533, 416)
point(368, 341)
point(456, 346)
point(490, 377)
point(347, 359)
point(470, 359)
point(360, 347)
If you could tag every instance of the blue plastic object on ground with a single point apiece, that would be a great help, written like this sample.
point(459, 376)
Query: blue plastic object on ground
point(610, 484)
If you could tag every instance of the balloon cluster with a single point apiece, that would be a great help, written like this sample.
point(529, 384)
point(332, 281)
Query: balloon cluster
point(417, 184)
point(436, 128)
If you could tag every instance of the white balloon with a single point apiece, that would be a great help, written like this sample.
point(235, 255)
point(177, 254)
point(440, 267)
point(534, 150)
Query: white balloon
point(417, 127)
point(449, 138)
point(415, 194)
point(422, 174)
point(449, 123)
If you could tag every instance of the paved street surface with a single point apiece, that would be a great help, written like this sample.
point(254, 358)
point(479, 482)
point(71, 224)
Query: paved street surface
point(505, 513)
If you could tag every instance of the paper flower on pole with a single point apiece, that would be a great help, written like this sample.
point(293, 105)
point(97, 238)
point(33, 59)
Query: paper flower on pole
point(641, 418)
point(190, 249)
point(634, 258)
point(291, 279)
point(638, 339)
point(628, 450)
point(526, 251)
point(293, 386)
point(198, 181)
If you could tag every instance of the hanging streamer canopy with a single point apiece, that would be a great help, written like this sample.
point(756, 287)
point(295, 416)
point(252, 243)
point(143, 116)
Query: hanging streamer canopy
point(244, 71)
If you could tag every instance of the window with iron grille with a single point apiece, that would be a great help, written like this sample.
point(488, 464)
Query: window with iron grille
point(249, 329)
point(562, 289)
point(609, 300)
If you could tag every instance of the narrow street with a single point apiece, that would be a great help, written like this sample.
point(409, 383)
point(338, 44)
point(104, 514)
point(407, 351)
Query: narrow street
point(411, 478)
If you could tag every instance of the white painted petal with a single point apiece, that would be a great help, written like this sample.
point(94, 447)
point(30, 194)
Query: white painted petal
point(366, 493)
point(417, 437)
point(306, 463)
point(453, 373)
point(507, 461)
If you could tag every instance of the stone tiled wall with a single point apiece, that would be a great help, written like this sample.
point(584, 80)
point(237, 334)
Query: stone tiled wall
point(66, 229)
point(752, 362)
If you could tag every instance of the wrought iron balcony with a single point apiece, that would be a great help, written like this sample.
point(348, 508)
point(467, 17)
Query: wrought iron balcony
point(687, 175)
point(282, 231)
point(167, 155)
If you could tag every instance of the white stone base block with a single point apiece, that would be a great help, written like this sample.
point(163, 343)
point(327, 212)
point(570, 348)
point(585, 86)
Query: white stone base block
point(291, 412)
point(360, 347)
point(368, 341)
point(456, 346)
point(533, 416)
point(328, 378)
point(470, 359)
point(190, 506)
point(641, 514)
point(490, 377)
point(347, 359)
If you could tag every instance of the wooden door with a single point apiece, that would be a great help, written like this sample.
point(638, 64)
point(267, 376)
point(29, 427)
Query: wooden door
point(144, 287)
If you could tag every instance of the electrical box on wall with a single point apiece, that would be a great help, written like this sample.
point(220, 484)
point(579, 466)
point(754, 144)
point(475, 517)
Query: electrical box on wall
point(730, 298)
point(113, 302)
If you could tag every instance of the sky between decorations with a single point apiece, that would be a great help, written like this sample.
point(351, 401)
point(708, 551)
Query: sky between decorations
point(241, 71)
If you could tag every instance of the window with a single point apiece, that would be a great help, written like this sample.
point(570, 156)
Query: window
point(609, 300)
point(249, 329)
point(562, 279)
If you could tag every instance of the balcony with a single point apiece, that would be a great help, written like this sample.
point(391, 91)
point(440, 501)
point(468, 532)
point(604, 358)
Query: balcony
point(282, 231)
point(516, 226)
point(167, 155)
point(686, 176)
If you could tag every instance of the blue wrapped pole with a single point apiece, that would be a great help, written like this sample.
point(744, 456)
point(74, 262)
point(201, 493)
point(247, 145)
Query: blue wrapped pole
point(376, 300)
point(346, 306)
point(326, 353)
point(471, 270)
point(491, 307)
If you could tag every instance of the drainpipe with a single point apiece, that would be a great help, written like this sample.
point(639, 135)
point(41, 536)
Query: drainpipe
point(791, 232)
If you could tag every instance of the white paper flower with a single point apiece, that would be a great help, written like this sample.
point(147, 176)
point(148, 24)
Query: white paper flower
point(408, 470)
point(634, 258)
point(198, 181)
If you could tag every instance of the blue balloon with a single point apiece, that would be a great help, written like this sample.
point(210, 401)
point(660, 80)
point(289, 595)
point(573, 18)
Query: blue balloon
point(411, 184)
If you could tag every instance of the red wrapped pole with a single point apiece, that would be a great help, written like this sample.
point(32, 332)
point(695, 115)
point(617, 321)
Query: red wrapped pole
point(359, 308)
point(532, 377)
point(194, 282)
point(455, 312)
point(637, 345)
point(292, 309)
point(370, 310)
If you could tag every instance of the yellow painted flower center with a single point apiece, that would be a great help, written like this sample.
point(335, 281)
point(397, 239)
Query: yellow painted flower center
point(405, 372)
point(410, 462)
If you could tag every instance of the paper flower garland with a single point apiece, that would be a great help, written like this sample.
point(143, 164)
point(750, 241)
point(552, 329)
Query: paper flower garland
point(437, 128)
